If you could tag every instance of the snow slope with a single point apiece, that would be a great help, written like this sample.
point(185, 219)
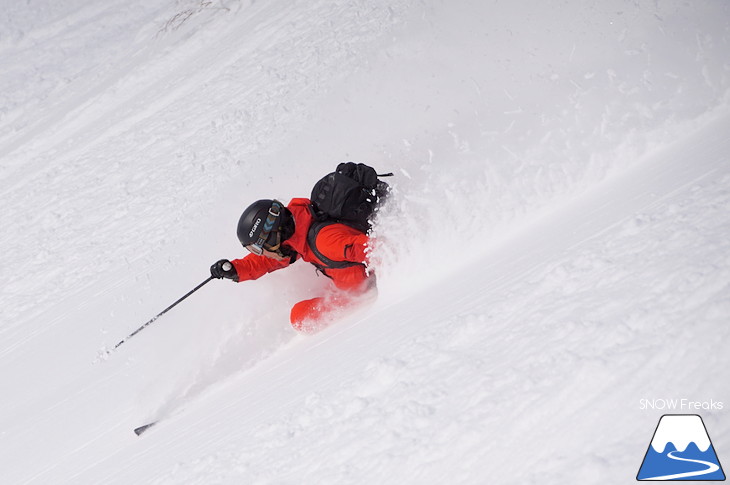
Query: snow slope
point(556, 249)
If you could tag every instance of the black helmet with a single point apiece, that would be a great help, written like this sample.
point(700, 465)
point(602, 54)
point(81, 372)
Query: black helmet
point(259, 223)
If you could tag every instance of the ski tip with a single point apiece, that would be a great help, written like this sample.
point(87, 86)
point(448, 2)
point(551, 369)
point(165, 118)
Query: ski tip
point(142, 429)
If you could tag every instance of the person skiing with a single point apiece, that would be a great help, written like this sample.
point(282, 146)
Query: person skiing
point(278, 235)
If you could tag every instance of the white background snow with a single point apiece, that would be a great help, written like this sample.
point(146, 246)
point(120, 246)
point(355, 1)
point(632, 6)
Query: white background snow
point(555, 255)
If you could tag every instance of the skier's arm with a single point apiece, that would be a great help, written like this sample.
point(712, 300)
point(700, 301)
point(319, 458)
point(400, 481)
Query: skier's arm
point(343, 243)
point(253, 267)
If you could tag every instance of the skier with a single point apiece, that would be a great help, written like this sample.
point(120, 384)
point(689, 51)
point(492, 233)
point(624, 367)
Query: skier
point(278, 235)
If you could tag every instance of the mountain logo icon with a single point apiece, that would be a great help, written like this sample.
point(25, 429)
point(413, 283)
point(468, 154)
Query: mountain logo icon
point(681, 450)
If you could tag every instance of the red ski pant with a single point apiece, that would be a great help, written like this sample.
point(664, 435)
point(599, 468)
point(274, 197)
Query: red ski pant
point(309, 315)
point(314, 314)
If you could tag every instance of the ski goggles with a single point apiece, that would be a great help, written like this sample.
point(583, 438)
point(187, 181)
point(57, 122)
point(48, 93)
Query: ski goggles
point(260, 245)
point(260, 250)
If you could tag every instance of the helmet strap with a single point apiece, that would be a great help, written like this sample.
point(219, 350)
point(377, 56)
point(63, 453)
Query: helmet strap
point(271, 218)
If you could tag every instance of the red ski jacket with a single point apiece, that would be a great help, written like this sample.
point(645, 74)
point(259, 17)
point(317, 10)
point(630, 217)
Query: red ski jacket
point(336, 241)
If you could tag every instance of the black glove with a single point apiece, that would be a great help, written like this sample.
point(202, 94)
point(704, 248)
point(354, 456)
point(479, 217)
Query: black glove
point(224, 269)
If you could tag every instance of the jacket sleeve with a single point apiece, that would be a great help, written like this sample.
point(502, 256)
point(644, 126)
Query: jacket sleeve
point(253, 267)
point(343, 243)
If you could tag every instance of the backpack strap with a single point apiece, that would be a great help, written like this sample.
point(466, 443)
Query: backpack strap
point(312, 243)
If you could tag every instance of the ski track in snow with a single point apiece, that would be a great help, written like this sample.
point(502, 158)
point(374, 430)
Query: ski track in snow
point(555, 249)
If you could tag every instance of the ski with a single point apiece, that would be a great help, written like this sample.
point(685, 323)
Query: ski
point(142, 429)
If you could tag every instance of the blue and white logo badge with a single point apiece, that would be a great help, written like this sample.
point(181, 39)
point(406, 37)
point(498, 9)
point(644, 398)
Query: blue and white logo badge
point(681, 450)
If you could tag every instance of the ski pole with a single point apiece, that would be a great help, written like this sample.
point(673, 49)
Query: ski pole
point(161, 313)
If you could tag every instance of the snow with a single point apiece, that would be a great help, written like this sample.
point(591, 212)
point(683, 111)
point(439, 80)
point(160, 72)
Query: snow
point(555, 250)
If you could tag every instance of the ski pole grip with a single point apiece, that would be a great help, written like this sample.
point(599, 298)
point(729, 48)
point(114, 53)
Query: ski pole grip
point(227, 266)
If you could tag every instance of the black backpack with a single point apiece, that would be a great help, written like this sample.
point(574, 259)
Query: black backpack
point(350, 195)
